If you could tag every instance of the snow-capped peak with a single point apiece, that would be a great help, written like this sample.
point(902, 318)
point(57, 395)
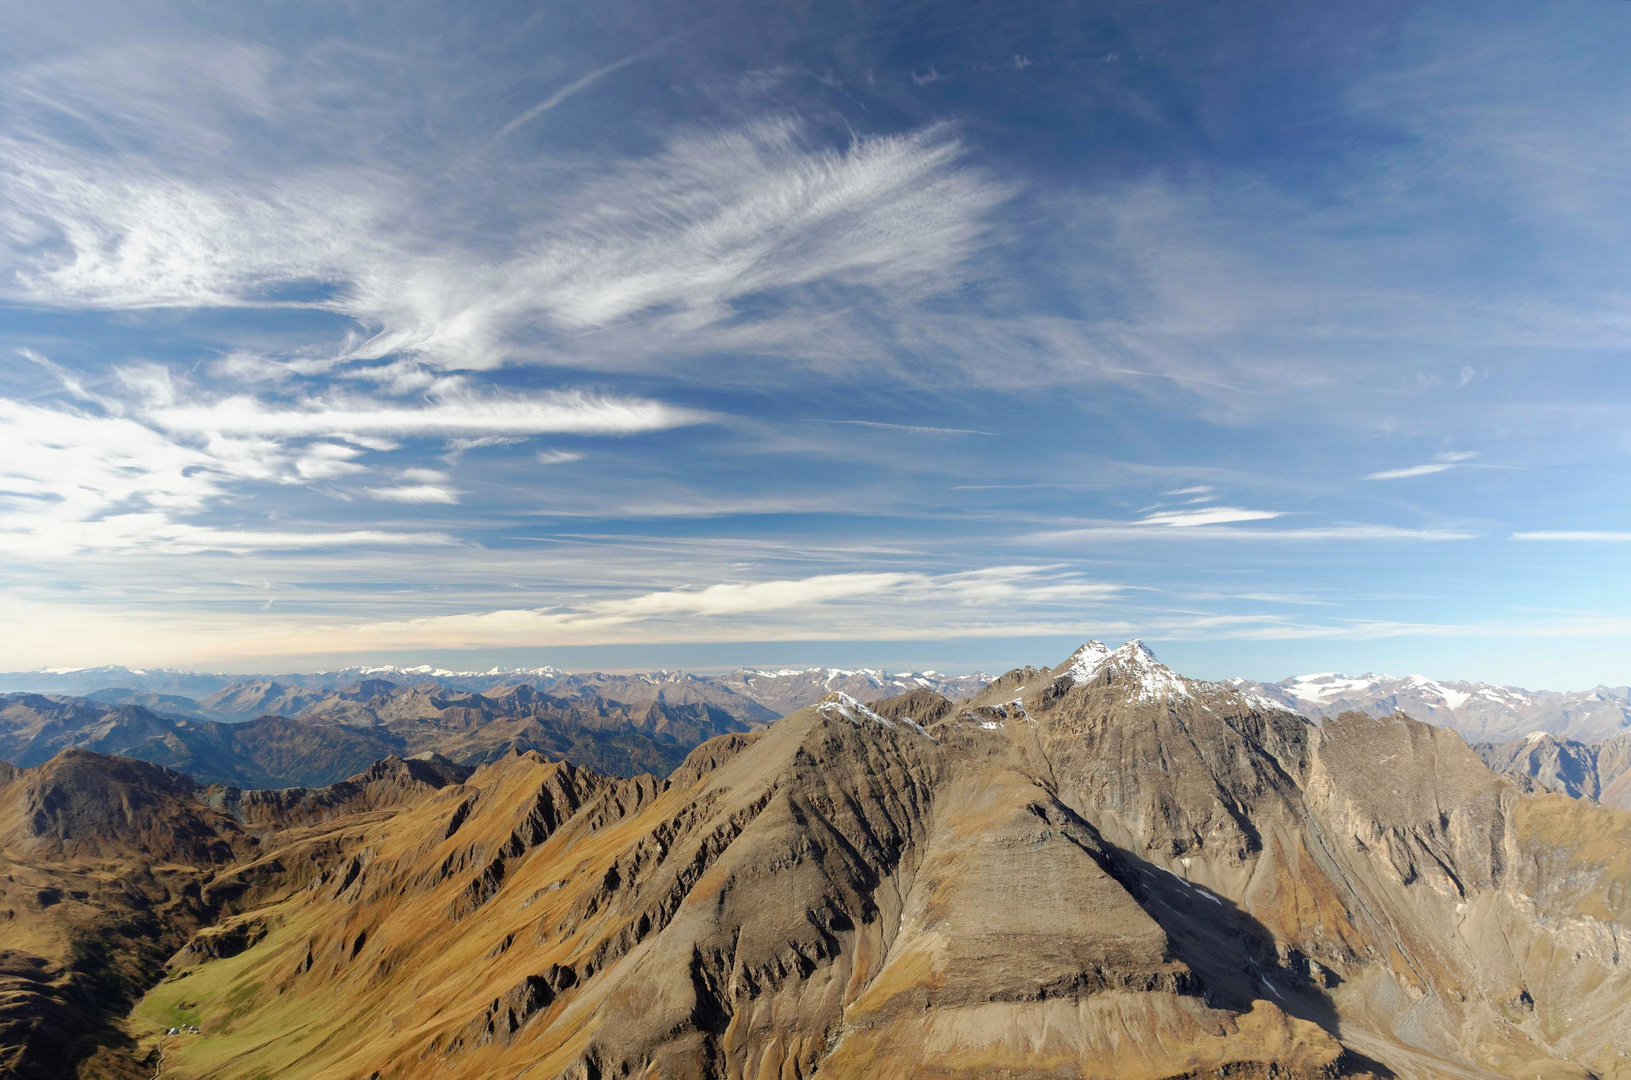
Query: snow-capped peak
point(1087, 661)
point(1133, 662)
point(1536, 736)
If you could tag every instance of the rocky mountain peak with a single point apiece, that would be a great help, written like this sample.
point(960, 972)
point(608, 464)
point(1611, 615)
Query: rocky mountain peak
point(1132, 666)
point(1085, 662)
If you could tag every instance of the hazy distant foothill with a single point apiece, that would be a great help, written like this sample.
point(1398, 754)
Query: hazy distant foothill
point(316, 728)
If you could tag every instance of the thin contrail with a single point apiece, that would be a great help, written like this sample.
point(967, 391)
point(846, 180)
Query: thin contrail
point(565, 92)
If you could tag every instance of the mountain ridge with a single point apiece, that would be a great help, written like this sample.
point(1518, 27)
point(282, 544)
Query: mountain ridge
point(751, 694)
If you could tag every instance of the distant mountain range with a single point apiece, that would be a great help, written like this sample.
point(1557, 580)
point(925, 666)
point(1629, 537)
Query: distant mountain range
point(286, 731)
point(1600, 770)
point(1481, 712)
point(745, 693)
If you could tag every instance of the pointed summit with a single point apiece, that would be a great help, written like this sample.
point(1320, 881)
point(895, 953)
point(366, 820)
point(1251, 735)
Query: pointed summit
point(1086, 661)
point(1132, 665)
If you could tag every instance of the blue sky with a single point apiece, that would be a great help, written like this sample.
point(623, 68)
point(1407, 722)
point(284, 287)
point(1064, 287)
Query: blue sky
point(627, 335)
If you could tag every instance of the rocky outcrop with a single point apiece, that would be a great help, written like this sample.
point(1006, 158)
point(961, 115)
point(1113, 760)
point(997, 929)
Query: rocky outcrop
point(387, 784)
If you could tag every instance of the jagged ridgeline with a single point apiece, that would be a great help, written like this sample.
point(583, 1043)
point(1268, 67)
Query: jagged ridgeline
point(1101, 869)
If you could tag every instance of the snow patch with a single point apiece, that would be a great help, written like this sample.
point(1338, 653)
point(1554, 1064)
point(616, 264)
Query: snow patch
point(1187, 884)
point(1268, 704)
point(1453, 698)
point(853, 711)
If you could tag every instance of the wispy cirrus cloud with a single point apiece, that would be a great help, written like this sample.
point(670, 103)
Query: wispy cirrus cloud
point(415, 494)
point(911, 429)
point(1335, 533)
point(159, 533)
point(1440, 463)
point(883, 605)
point(577, 85)
point(1407, 472)
point(681, 236)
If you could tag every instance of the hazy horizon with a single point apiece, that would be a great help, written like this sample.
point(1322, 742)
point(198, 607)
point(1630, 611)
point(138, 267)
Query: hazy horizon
point(788, 656)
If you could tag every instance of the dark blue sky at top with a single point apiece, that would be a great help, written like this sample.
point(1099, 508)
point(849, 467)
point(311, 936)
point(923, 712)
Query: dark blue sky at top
point(1285, 337)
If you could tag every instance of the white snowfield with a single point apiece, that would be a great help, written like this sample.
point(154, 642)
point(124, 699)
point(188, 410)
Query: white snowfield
point(1481, 712)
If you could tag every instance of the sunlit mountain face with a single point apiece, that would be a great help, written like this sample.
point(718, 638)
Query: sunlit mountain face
point(903, 336)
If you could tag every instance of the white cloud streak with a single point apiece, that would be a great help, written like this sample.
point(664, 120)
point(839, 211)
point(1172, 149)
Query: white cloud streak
point(880, 604)
point(1307, 534)
point(415, 494)
point(561, 412)
point(1578, 536)
point(1407, 473)
point(912, 429)
point(129, 472)
point(1450, 459)
point(1212, 515)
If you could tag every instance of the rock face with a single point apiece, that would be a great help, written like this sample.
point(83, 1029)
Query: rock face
point(1599, 771)
point(1099, 869)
